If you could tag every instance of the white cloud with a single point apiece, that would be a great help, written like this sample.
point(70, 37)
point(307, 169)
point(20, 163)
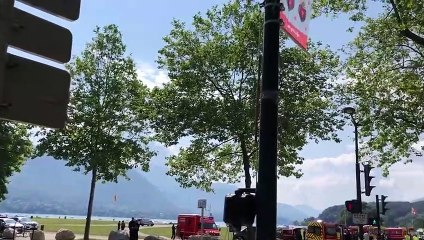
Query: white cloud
point(327, 180)
point(387, 182)
point(174, 150)
point(419, 145)
point(151, 75)
point(330, 181)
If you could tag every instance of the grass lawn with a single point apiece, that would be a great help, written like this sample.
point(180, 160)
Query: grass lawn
point(98, 228)
point(157, 231)
point(166, 232)
point(103, 228)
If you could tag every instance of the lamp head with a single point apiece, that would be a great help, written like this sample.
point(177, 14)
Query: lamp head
point(349, 110)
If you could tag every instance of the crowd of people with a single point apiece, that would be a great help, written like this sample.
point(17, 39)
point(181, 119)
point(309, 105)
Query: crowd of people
point(133, 226)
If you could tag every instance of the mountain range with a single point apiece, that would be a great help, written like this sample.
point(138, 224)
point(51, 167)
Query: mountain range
point(399, 213)
point(47, 186)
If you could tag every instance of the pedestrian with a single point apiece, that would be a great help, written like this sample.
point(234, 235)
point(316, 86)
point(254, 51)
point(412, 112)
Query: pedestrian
point(173, 232)
point(347, 235)
point(2, 227)
point(123, 225)
point(134, 227)
point(119, 225)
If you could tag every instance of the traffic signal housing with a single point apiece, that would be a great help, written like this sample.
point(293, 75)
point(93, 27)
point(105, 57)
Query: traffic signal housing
point(383, 204)
point(373, 221)
point(353, 206)
point(240, 209)
point(368, 178)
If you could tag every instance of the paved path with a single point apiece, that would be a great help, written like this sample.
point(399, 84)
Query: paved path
point(51, 236)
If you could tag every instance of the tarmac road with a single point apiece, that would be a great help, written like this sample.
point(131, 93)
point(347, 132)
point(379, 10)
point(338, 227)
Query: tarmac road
point(51, 236)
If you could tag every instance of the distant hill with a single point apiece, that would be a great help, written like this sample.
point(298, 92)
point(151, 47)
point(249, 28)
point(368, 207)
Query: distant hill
point(308, 210)
point(287, 213)
point(399, 213)
point(47, 186)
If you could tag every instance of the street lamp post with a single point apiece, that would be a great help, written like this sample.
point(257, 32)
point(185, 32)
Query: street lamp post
point(351, 111)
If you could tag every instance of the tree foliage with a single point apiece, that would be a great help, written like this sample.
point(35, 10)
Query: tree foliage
point(106, 130)
point(386, 63)
point(211, 98)
point(15, 148)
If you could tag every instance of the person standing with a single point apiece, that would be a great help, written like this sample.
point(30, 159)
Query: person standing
point(173, 232)
point(134, 227)
point(119, 225)
point(123, 225)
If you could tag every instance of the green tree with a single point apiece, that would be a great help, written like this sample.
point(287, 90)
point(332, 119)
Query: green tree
point(306, 221)
point(405, 15)
point(15, 148)
point(106, 130)
point(345, 217)
point(212, 97)
point(386, 64)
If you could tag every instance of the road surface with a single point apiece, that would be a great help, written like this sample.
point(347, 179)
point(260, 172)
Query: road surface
point(51, 236)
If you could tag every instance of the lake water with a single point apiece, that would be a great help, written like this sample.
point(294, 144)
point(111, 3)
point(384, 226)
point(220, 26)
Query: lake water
point(155, 220)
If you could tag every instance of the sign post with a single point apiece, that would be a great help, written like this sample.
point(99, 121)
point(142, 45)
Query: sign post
point(266, 189)
point(360, 218)
point(201, 203)
point(377, 206)
point(31, 91)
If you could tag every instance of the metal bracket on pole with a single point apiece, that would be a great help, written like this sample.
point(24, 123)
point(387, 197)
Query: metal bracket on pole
point(273, 4)
point(279, 6)
point(6, 9)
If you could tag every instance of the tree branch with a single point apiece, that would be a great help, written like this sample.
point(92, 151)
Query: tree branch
point(412, 49)
point(406, 32)
point(220, 144)
point(414, 37)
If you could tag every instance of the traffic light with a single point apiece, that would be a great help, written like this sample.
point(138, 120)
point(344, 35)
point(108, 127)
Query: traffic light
point(32, 91)
point(353, 206)
point(240, 209)
point(383, 204)
point(373, 221)
point(368, 178)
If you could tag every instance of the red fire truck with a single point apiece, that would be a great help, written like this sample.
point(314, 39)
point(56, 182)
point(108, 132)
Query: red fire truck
point(190, 224)
point(395, 233)
point(318, 230)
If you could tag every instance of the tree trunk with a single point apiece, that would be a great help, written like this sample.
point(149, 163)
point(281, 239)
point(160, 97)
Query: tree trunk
point(246, 164)
point(90, 204)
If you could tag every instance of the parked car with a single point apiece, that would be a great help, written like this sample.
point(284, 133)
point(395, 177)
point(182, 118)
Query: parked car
point(145, 222)
point(10, 223)
point(27, 222)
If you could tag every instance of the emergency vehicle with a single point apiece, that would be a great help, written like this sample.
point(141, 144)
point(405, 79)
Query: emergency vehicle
point(190, 224)
point(372, 231)
point(353, 230)
point(420, 233)
point(291, 233)
point(319, 230)
point(395, 233)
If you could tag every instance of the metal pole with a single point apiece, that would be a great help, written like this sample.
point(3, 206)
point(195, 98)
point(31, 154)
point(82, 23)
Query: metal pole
point(377, 206)
point(358, 178)
point(201, 222)
point(266, 220)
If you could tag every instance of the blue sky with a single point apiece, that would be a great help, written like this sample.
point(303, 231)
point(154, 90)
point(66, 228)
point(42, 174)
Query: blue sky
point(329, 167)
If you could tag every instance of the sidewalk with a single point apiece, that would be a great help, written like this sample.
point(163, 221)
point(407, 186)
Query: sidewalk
point(51, 236)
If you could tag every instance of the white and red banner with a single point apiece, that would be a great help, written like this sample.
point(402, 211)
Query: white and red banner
point(296, 17)
point(413, 212)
